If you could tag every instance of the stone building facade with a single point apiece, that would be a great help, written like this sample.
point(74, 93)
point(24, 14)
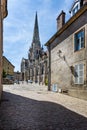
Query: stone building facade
point(25, 69)
point(8, 68)
point(68, 52)
point(17, 77)
point(35, 67)
point(3, 14)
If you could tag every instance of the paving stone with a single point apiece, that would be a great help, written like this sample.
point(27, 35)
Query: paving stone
point(32, 107)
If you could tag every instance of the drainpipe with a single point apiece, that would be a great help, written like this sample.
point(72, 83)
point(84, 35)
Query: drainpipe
point(1, 48)
point(49, 68)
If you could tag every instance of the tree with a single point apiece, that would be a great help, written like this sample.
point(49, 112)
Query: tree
point(4, 74)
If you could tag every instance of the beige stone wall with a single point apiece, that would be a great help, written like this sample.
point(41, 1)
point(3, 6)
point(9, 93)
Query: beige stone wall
point(8, 67)
point(0, 53)
point(0, 75)
point(3, 14)
point(60, 67)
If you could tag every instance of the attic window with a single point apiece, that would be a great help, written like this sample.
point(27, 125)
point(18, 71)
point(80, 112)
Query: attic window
point(75, 10)
point(75, 7)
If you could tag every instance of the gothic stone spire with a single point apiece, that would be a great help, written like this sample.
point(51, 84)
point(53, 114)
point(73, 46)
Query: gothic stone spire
point(36, 39)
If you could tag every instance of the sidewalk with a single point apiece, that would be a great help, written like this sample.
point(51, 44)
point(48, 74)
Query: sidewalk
point(32, 86)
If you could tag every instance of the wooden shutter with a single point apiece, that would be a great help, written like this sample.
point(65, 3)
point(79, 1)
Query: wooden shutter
point(79, 69)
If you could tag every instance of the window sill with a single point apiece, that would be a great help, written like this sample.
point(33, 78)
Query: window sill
point(79, 50)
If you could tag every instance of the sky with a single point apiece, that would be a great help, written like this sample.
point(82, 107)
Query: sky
point(19, 25)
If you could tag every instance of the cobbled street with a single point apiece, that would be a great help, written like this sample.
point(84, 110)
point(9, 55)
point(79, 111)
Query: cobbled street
point(32, 107)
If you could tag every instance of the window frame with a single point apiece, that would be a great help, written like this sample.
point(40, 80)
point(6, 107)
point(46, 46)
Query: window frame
point(75, 9)
point(78, 76)
point(78, 46)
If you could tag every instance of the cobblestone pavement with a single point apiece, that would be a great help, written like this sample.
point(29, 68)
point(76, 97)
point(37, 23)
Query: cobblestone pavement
point(32, 107)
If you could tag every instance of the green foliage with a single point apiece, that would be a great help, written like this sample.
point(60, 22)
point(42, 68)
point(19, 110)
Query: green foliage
point(4, 74)
point(46, 81)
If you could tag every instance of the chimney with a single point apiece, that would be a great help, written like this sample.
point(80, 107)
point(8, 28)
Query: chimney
point(84, 1)
point(60, 20)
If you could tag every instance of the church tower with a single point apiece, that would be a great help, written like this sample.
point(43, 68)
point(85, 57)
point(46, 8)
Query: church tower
point(37, 58)
point(36, 45)
point(36, 39)
point(35, 67)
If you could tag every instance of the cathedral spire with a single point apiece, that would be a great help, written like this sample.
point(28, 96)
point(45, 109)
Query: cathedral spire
point(36, 39)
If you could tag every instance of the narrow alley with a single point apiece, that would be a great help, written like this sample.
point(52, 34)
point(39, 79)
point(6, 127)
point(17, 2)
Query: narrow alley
point(32, 107)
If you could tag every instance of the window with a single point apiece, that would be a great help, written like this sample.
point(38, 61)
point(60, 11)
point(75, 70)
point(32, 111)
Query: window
point(79, 74)
point(79, 40)
point(75, 7)
point(75, 10)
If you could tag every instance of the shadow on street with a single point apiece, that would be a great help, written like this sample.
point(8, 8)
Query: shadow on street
point(21, 113)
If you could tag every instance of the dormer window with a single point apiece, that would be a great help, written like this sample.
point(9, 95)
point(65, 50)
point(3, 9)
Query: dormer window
point(76, 6)
point(75, 9)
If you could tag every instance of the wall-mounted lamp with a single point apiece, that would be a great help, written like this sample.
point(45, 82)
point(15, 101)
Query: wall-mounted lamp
point(60, 55)
point(59, 52)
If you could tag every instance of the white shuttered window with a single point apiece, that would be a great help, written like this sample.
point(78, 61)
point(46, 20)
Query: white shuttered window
point(79, 76)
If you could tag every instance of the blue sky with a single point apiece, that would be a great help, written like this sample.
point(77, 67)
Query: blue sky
point(19, 25)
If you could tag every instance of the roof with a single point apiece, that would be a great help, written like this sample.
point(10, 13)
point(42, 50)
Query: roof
point(67, 24)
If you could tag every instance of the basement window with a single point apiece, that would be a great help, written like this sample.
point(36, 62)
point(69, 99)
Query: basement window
point(79, 74)
point(79, 40)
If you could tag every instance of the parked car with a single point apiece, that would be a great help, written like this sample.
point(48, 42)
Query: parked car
point(30, 81)
point(7, 81)
point(16, 82)
point(36, 81)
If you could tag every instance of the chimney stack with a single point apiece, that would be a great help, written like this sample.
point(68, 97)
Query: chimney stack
point(84, 1)
point(60, 20)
